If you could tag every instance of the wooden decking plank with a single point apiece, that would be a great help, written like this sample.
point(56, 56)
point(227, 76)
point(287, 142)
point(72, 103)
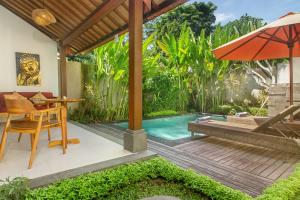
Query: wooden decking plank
point(226, 148)
point(270, 162)
point(277, 168)
point(246, 158)
point(190, 145)
point(239, 152)
point(231, 170)
point(220, 174)
point(261, 160)
point(203, 148)
point(288, 171)
point(236, 159)
point(277, 173)
point(210, 148)
point(220, 178)
point(230, 182)
point(201, 159)
point(253, 159)
point(227, 152)
point(272, 168)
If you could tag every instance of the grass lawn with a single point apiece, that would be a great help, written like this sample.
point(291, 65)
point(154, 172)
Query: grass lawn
point(155, 187)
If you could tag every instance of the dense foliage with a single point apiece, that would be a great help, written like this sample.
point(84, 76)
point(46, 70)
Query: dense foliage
point(180, 72)
point(198, 16)
point(233, 109)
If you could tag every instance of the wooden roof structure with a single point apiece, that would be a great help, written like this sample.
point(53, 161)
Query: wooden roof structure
point(85, 24)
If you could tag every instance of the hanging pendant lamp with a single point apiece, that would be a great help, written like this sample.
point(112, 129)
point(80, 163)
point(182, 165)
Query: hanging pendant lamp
point(43, 16)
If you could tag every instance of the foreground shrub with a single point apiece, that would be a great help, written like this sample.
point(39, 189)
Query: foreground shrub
point(101, 184)
point(15, 189)
point(106, 184)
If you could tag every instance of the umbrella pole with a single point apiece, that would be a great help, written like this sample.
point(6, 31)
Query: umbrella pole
point(291, 83)
point(291, 46)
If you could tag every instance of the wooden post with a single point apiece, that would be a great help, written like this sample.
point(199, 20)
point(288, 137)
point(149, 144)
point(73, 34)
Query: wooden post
point(135, 140)
point(135, 63)
point(63, 71)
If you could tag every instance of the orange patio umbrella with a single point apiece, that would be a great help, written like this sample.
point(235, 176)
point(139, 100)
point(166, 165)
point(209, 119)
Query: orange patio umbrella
point(279, 39)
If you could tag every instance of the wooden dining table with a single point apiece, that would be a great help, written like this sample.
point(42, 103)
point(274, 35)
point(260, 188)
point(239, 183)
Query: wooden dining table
point(64, 102)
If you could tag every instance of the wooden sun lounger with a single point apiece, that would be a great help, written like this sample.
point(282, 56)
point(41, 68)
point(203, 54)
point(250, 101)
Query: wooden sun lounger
point(279, 117)
point(266, 133)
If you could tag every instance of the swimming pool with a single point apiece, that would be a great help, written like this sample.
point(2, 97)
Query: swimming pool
point(170, 128)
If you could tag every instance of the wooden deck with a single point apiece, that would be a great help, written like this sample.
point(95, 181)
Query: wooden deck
point(244, 167)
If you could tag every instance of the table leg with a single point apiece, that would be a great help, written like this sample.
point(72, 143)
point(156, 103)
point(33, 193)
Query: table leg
point(64, 121)
point(59, 142)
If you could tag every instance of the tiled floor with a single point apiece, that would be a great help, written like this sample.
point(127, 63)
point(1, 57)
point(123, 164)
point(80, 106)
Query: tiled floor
point(92, 149)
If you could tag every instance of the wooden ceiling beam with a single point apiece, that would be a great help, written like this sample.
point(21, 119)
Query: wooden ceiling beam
point(92, 19)
point(164, 7)
point(154, 5)
point(147, 6)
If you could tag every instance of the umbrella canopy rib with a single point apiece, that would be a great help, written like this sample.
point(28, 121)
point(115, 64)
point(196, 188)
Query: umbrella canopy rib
point(239, 46)
point(266, 43)
point(274, 37)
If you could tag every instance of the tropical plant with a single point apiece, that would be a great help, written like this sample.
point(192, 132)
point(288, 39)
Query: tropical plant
point(176, 51)
point(106, 82)
point(15, 189)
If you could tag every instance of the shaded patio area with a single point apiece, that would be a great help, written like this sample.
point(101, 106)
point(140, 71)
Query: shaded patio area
point(93, 153)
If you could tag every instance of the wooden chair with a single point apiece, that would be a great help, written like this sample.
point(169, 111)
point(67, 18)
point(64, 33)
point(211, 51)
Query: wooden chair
point(47, 118)
point(30, 125)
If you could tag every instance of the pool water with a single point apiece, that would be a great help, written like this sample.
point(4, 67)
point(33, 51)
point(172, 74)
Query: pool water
point(170, 128)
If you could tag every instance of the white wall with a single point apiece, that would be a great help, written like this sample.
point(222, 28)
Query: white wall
point(74, 82)
point(283, 72)
point(16, 35)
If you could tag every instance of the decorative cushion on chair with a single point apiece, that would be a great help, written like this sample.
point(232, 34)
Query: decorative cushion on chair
point(18, 96)
point(38, 98)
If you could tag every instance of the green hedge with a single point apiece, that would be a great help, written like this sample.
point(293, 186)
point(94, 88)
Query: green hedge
point(100, 184)
point(233, 109)
point(162, 113)
point(258, 112)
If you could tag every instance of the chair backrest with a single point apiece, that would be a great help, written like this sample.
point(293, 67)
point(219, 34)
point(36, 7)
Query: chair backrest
point(15, 105)
point(280, 116)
